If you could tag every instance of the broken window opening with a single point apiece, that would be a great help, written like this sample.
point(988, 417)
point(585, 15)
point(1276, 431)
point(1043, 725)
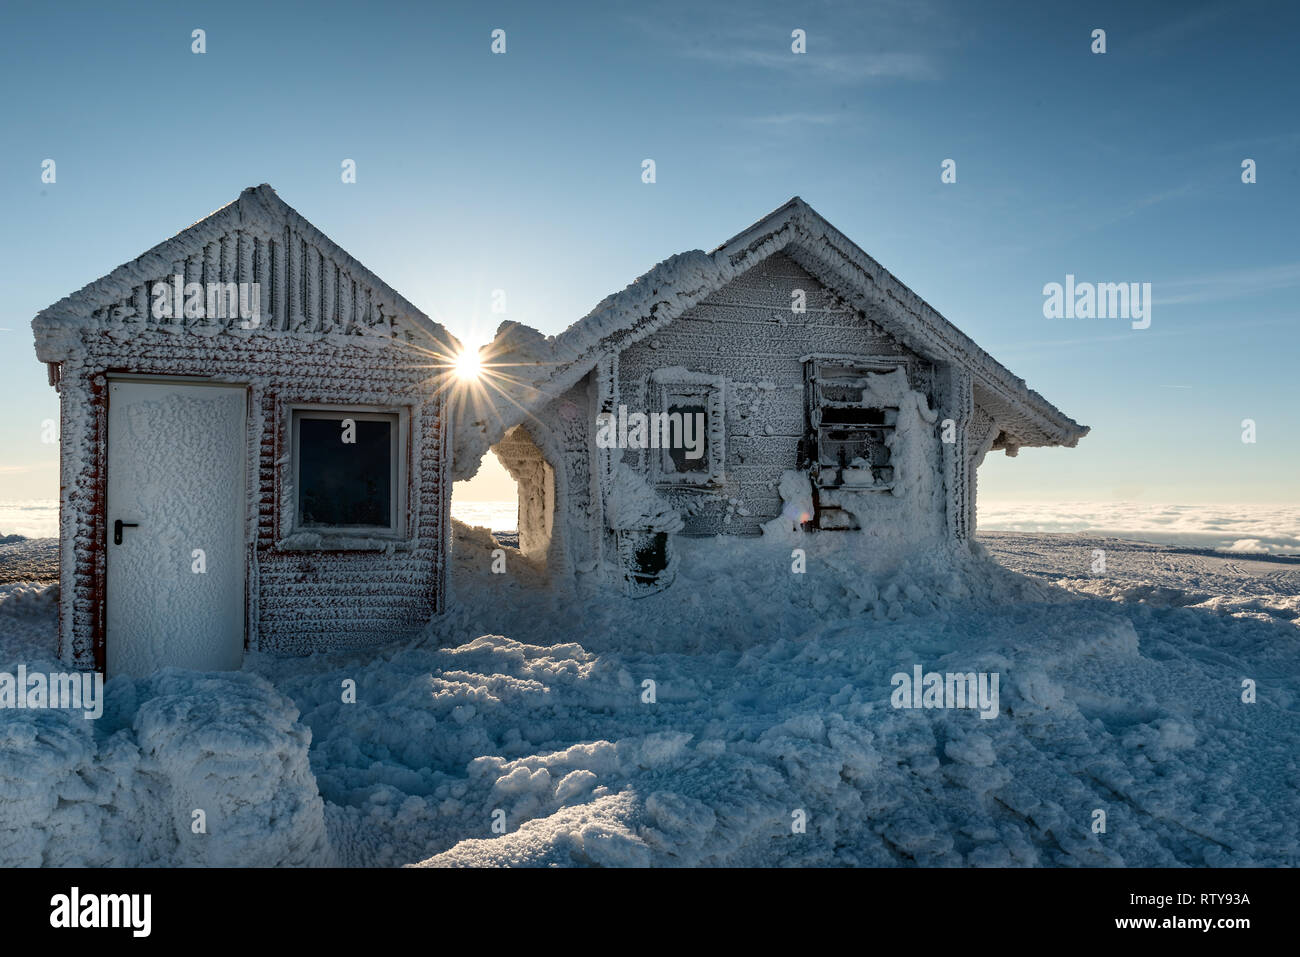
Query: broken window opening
point(847, 447)
point(646, 557)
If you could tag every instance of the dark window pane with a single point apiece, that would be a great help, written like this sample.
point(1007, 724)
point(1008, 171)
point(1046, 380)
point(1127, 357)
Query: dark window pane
point(852, 416)
point(345, 483)
point(700, 438)
point(649, 557)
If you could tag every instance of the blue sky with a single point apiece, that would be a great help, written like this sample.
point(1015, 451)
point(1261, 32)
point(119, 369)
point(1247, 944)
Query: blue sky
point(522, 172)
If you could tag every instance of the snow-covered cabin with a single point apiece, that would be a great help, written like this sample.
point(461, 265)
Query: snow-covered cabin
point(828, 396)
point(254, 449)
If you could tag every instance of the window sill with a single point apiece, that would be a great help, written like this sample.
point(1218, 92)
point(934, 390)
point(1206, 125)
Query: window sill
point(678, 482)
point(886, 487)
point(352, 541)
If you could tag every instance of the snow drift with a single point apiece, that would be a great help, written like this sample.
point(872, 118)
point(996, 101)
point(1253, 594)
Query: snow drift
point(743, 718)
point(124, 790)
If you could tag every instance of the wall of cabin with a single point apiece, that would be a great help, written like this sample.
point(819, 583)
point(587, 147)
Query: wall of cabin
point(748, 334)
point(324, 336)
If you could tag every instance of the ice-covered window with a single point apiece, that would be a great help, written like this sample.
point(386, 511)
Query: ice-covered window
point(687, 409)
point(347, 470)
point(850, 430)
point(687, 446)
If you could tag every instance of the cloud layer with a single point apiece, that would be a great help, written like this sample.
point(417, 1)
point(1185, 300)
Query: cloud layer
point(1227, 528)
point(38, 518)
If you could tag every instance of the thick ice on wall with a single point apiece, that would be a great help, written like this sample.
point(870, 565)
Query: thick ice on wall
point(634, 505)
point(795, 489)
point(914, 454)
point(905, 519)
point(541, 367)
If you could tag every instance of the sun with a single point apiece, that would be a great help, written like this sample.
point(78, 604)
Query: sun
point(468, 366)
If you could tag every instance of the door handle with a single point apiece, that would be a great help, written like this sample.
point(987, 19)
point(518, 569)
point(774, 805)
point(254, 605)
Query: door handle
point(117, 530)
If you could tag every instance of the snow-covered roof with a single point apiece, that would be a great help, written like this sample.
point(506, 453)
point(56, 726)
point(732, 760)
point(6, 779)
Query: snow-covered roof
point(543, 367)
point(119, 300)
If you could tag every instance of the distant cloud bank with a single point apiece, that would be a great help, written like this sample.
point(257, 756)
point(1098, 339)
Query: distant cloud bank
point(1226, 528)
point(37, 518)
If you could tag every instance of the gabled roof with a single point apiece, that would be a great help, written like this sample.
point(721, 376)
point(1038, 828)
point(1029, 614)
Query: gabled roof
point(116, 300)
point(796, 229)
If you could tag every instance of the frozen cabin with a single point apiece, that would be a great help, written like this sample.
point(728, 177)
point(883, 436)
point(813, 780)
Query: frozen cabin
point(783, 384)
point(254, 449)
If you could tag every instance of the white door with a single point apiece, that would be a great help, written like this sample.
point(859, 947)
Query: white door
point(176, 483)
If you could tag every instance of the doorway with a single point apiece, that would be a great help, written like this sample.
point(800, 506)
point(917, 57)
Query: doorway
point(175, 525)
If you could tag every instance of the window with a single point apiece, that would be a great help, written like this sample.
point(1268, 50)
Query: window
point(647, 559)
point(687, 409)
point(850, 430)
point(347, 471)
point(687, 428)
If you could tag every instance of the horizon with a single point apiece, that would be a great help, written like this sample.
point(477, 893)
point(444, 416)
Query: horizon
point(1241, 530)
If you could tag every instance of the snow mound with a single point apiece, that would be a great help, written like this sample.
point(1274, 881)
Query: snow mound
point(229, 745)
point(123, 791)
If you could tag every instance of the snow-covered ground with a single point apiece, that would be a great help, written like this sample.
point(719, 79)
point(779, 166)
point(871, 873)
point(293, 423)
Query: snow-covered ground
point(1120, 691)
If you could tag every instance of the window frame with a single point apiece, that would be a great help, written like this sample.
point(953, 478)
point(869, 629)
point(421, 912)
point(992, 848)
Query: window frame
point(399, 474)
point(711, 390)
